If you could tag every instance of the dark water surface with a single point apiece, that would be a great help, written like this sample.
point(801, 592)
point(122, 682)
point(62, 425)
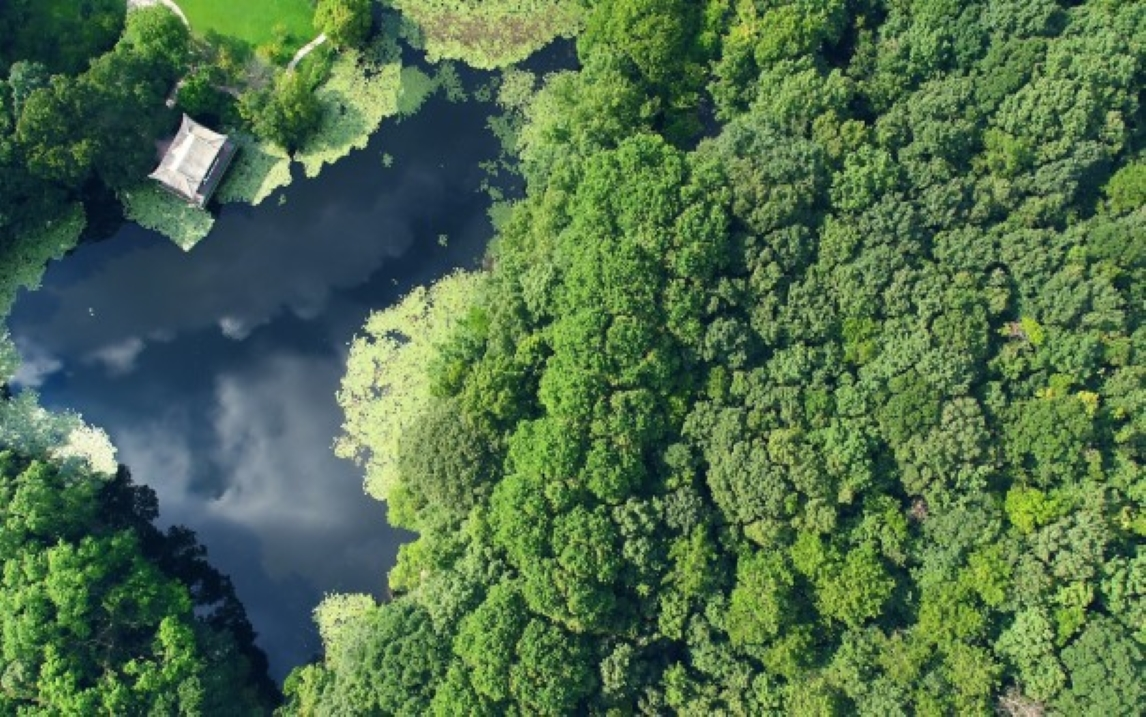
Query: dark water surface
point(214, 371)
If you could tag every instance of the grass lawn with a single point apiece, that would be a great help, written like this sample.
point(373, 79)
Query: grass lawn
point(252, 21)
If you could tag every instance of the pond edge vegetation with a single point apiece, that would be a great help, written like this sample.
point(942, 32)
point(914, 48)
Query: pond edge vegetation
point(806, 377)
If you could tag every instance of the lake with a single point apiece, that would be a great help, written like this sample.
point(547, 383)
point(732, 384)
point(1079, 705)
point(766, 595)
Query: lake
point(214, 372)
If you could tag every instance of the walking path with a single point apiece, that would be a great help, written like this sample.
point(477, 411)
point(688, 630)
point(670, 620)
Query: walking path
point(304, 51)
point(169, 4)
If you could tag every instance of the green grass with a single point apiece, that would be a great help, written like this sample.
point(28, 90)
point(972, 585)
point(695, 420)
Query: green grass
point(252, 21)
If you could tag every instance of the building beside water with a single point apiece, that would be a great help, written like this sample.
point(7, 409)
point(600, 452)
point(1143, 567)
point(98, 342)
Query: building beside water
point(194, 162)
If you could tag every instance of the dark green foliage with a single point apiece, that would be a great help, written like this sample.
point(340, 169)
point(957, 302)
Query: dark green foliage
point(445, 461)
point(1105, 667)
point(61, 34)
point(200, 97)
point(287, 113)
point(105, 120)
point(161, 37)
point(834, 410)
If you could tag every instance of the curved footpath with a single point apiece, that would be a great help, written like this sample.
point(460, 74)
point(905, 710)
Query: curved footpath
point(170, 5)
point(304, 51)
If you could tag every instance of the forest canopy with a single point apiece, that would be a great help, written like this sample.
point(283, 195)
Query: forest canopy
point(102, 613)
point(807, 378)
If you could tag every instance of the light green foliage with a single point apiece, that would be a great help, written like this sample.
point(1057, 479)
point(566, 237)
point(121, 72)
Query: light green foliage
point(854, 590)
point(415, 88)
point(1126, 190)
point(489, 33)
point(383, 660)
point(278, 49)
point(515, 93)
point(258, 169)
point(345, 22)
point(338, 614)
point(387, 386)
point(9, 358)
point(355, 98)
point(487, 640)
point(71, 443)
point(26, 257)
point(582, 112)
point(153, 208)
point(761, 601)
point(1030, 508)
point(516, 89)
point(450, 82)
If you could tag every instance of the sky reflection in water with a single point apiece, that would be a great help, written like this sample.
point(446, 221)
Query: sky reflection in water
point(214, 372)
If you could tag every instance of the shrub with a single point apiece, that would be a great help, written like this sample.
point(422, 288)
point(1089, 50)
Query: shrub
point(345, 22)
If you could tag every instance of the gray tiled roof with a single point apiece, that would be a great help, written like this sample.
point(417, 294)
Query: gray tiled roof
point(186, 168)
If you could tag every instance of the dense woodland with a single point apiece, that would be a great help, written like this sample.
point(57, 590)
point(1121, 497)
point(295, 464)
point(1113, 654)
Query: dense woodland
point(101, 613)
point(806, 378)
point(78, 121)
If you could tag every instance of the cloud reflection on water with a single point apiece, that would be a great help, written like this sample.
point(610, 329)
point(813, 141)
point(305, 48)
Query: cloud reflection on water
point(255, 266)
point(288, 516)
point(214, 371)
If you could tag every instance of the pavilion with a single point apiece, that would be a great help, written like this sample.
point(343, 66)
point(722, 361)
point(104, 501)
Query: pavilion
point(194, 162)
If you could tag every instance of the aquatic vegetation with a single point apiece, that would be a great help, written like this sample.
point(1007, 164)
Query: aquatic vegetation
point(258, 169)
point(355, 98)
point(153, 208)
point(487, 34)
point(29, 252)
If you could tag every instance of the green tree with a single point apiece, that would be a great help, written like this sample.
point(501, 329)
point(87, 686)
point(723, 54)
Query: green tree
point(158, 35)
point(487, 640)
point(552, 673)
point(98, 606)
point(345, 22)
point(1105, 669)
point(32, 31)
point(762, 601)
point(287, 114)
point(833, 411)
point(855, 590)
